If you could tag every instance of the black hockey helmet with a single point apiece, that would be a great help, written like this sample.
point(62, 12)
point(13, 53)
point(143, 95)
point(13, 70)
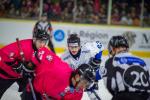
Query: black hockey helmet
point(73, 38)
point(117, 41)
point(42, 35)
point(87, 72)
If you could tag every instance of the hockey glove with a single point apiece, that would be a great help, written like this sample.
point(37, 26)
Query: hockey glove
point(95, 63)
point(16, 65)
point(28, 70)
point(98, 56)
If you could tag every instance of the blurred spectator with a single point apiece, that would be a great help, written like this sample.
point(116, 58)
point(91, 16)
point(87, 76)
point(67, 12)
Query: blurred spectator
point(95, 18)
point(12, 10)
point(126, 20)
point(124, 12)
point(115, 17)
point(96, 6)
point(67, 13)
point(57, 11)
point(102, 14)
point(136, 21)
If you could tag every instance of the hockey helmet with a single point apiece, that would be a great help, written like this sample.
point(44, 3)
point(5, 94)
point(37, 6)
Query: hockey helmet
point(42, 35)
point(87, 72)
point(73, 39)
point(117, 41)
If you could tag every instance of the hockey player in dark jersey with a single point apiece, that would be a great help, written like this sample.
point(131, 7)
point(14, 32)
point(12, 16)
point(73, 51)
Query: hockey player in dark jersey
point(125, 76)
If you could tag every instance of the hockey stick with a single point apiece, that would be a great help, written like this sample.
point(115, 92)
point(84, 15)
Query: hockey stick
point(23, 60)
point(96, 95)
point(32, 90)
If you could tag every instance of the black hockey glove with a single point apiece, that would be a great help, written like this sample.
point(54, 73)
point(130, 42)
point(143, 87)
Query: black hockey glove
point(16, 65)
point(95, 63)
point(27, 70)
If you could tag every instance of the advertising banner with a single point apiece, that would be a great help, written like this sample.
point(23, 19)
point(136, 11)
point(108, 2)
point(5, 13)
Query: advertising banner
point(139, 38)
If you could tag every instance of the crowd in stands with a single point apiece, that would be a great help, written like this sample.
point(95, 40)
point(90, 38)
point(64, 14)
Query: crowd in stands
point(124, 12)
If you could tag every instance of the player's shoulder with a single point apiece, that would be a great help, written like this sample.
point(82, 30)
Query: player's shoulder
point(25, 42)
point(45, 49)
point(85, 51)
point(128, 58)
point(66, 55)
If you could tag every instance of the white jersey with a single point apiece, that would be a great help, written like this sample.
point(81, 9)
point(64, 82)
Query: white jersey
point(74, 63)
point(87, 51)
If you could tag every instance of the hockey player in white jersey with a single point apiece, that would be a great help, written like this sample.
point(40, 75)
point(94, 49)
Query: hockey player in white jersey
point(125, 76)
point(76, 55)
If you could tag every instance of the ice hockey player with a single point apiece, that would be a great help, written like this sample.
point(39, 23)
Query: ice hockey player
point(54, 78)
point(12, 66)
point(76, 55)
point(45, 25)
point(126, 76)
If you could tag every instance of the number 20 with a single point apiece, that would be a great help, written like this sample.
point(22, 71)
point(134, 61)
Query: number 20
point(139, 79)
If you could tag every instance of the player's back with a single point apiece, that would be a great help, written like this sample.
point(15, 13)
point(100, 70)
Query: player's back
point(126, 73)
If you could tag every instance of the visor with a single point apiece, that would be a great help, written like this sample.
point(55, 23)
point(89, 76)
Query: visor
point(73, 44)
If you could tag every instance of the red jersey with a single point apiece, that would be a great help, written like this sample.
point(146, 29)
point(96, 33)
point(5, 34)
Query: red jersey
point(53, 76)
point(10, 54)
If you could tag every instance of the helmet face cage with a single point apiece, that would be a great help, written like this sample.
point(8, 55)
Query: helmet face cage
point(42, 35)
point(88, 81)
point(117, 41)
point(86, 72)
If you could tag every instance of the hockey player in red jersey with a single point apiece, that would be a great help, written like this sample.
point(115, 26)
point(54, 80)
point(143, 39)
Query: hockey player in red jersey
point(54, 79)
point(11, 65)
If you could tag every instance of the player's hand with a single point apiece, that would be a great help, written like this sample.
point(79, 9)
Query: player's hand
point(98, 56)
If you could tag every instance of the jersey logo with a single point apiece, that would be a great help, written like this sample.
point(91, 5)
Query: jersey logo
point(130, 60)
point(99, 45)
point(49, 57)
point(40, 54)
point(11, 55)
point(136, 77)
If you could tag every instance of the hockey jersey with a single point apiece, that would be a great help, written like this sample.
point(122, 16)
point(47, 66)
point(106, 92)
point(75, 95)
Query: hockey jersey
point(52, 77)
point(88, 50)
point(126, 73)
point(10, 58)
